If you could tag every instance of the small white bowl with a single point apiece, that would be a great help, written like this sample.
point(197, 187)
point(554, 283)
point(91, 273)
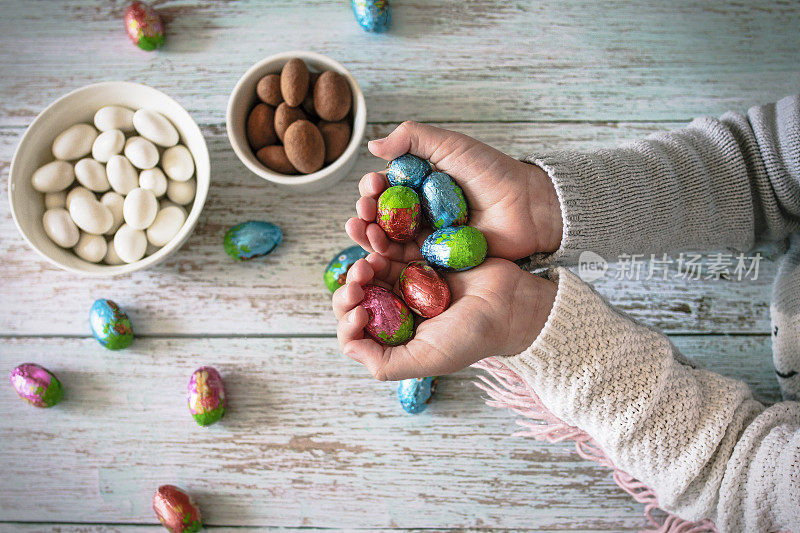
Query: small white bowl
point(34, 150)
point(244, 97)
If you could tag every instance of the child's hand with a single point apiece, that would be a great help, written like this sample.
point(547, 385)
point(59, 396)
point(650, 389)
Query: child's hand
point(496, 309)
point(513, 203)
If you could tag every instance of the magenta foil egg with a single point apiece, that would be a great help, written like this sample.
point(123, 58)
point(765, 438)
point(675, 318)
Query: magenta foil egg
point(206, 396)
point(36, 385)
point(390, 321)
point(424, 290)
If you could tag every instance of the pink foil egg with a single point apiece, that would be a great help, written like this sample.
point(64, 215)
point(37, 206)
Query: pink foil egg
point(206, 396)
point(36, 385)
point(176, 510)
point(390, 321)
point(144, 26)
point(423, 289)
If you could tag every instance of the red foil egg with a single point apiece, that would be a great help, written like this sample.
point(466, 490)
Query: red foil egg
point(176, 510)
point(399, 213)
point(144, 26)
point(424, 290)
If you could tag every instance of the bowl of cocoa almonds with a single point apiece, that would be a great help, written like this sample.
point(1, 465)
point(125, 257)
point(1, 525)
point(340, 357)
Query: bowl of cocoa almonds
point(297, 119)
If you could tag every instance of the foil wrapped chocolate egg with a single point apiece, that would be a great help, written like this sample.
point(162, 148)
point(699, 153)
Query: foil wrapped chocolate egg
point(415, 394)
point(176, 510)
point(252, 239)
point(110, 325)
point(407, 170)
point(443, 202)
point(372, 15)
point(336, 271)
point(206, 396)
point(390, 320)
point(423, 289)
point(455, 248)
point(144, 26)
point(399, 213)
point(36, 385)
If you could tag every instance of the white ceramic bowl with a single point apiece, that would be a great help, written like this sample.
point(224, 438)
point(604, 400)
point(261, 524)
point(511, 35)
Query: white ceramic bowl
point(34, 150)
point(244, 97)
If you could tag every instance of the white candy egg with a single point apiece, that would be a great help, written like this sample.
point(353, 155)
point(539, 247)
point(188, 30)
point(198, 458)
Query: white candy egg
point(91, 174)
point(141, 152)
point(181, 192)
point(90, 215)
point(121, 174)
point(112, 117)
point(108, 143)
point(140, 208)
point(53, 177)
point(154, 126)
point(177, 162)
point(112, 258)
point(130, 244)
point(74, 142)
point(166, 225)
point(91, 248)
point(60, 228)
point(114, 202)
point(154, 180)
point(55, 199)
point(78, 192)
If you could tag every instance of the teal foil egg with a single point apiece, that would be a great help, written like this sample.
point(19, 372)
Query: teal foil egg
point(455, 248)
point(443, 201)
point(415, 394)
point(252, 239)
point(110, 325)
point(336, 271)
point(372, 15)
point(407, 170)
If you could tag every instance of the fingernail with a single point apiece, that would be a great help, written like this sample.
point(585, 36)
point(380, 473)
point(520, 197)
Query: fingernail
point(351, 318)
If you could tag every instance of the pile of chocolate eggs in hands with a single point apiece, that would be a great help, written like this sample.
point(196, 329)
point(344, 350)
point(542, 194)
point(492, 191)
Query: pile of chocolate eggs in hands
point(417, 191)
point(117, 188)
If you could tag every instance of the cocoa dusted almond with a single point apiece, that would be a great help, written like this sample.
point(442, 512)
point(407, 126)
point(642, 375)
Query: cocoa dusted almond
point(332, 97)
point(284, 116)
point(294, 82)
point(261, 126)
point(268, 89)
point(304, 146)
point(336, 136)
point(274, 158)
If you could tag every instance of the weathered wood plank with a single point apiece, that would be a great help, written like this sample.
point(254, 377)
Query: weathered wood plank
point(19, 527)
point(309, 440)
point(443, 61)
point(201, 291)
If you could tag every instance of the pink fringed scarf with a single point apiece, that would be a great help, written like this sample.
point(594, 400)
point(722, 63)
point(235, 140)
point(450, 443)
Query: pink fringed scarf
point(506, 389)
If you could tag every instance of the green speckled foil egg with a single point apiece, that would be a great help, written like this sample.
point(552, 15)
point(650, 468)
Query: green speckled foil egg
point(336, 271)
point(110, 325)
point(399, 213)
point(455, 248)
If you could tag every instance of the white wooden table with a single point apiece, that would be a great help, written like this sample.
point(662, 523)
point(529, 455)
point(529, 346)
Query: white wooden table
point(310, 440)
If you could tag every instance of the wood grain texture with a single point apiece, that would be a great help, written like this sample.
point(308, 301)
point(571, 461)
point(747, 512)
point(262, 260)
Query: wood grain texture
point(200, 290)
point(447, 60)
point(309, 439)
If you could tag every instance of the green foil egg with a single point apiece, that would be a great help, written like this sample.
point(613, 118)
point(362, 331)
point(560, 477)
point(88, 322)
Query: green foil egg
point(455, 248)
point(399, 213)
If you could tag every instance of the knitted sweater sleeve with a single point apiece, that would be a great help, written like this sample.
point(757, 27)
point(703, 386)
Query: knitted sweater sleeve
point(700, 440)
point(717, 183)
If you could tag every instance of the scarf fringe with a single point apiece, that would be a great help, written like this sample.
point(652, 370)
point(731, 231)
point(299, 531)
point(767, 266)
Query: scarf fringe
point(507, 390)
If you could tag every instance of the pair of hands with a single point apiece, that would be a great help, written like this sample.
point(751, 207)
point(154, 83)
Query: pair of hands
point(496, 308)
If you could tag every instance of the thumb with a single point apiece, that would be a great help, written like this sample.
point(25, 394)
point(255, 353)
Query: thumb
point(422, 140)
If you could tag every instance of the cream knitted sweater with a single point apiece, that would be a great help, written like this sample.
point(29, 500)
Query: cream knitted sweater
point(700, 440)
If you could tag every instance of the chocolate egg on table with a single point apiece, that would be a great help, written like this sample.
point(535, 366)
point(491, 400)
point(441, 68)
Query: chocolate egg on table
point(252, 239)
point(110, 325)
point(423, 289)
point(390, 320)
point(144, 26)
point(443, 201)
point(36, 385)
point(415, 394)
point(408, 170)
point(176, 510)
point(206, 396)
point(372, 15)
point(455, 248)
point(336, 271)
point(399, 213)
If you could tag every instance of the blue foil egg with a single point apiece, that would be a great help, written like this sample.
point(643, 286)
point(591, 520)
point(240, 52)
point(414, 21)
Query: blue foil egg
point(252, 239)
point(110, 325)
point(407, 170)
point(443, 201)
point(336, 271)
point(372, 15)
point(415, 394)
point(455, 248)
